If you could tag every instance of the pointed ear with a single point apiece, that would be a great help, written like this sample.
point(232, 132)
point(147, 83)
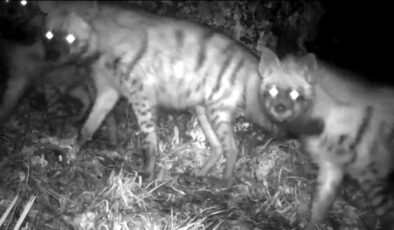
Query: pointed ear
point(268, 61)
point(311, 66)
point(310, 61)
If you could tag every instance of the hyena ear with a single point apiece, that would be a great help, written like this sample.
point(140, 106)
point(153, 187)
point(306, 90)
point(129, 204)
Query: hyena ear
point(309, 61)
point(268, 62)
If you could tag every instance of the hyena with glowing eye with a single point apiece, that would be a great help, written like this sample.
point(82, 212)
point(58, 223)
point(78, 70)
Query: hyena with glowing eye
point(24, 63)
point(160, 61)
point(20, 21)
point(346, 126)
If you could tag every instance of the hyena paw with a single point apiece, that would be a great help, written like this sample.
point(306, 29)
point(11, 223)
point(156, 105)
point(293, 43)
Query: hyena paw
point(147, 175)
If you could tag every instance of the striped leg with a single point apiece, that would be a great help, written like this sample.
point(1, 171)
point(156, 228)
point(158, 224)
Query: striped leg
point(144, 107)
point(223, 142)
point(213, 140)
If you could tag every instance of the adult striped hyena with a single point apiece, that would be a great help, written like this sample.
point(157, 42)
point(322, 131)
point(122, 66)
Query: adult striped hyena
point(160, 61)
point(345, 124)
point(24, 63)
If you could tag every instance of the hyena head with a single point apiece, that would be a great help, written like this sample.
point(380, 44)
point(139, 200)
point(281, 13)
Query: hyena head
point(68, 35)
point(286, 91)
point(20, 21)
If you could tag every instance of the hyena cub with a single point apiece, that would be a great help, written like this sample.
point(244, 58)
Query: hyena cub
point(160, 61)
point(346, 126)
point(24, 61)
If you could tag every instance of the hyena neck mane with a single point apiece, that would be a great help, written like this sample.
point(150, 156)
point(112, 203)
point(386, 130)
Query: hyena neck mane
point(346, 88)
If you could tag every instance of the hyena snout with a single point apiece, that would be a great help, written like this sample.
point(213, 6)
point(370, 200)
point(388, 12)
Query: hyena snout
point(280, 108)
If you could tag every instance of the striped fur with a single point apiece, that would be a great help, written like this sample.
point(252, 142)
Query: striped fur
point(160, 61)
point(354, 136)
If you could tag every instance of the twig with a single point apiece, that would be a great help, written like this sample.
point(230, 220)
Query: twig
point(5, 215)
point(25, 211)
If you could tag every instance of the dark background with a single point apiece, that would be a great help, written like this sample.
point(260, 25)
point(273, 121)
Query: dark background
point(357, 36)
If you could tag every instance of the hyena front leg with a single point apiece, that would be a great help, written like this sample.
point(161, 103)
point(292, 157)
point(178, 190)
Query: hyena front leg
point(112, 129)
point(328, 181)
point(144, 108)
point(106, 98)
point(16, 87)
point(105, 101)
point(220, 121)
point(82, 94)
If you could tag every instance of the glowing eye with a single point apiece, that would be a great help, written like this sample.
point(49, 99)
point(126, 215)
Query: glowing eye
point(273, 91)
point(294, 94)
point(70, 38)
point(49, 35)
point(23, 2)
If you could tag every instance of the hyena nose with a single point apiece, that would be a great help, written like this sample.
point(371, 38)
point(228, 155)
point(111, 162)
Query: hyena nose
point(52, 55)
point(280, 108)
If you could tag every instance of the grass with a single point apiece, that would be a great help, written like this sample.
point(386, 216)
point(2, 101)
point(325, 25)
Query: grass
point(99, 188)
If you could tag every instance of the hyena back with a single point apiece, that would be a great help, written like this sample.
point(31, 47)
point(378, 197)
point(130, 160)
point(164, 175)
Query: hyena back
point(22, 57)
point(345, 125)
point(159, 61)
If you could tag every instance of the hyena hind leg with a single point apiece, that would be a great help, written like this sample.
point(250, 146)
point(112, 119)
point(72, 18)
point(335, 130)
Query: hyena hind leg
point(220, 122)
point(213, 140)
